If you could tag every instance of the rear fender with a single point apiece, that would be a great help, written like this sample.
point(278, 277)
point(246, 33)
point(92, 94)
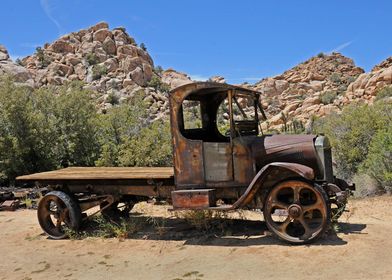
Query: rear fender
point(269, 175)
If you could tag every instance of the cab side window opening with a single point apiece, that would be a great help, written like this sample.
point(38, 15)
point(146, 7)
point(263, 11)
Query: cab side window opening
point(191, 111)
point(223, 118)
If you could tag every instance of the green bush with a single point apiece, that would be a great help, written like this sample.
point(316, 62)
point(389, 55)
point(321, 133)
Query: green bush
point(143, 47)
point(99, 71)
point(92, 59)
point(378, 162)
point(150, 147)
point(45, 129)
point(328, 97)
point(384, 93)
point(42, 58)
point(157, 83)
point(113, 99)
point(361, 137)
point(351, 133)
point(335, 78)
point(27, 131)
point(117, 126)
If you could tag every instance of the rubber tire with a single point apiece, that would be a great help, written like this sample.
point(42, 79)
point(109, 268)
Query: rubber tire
point(322, 232)
point(75, 214)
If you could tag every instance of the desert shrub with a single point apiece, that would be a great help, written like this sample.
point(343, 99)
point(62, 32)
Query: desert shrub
point(76, 126)
point(378, 162)
point(206, 220)
point(45, 129)
point(112, 99)
point(27, 131)
point(98, 226)
point(157, 84)
point(351, 133)
point(328, 97)
point(294, 127)
point(99, 71)
point(158, 69)
point(143, 47)
point(42, 58)
point(366, 185)
point(384, 93)
point(117, 126)
point(321, 55)
point(92, 59)
point(150, 147)
point(335, 78)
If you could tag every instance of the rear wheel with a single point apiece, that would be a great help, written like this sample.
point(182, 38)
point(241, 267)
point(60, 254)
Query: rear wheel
point(296, 211)
point(57, 212)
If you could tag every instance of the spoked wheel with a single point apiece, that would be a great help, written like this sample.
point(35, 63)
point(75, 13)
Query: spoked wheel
point(117, 210)
point(296, 211)
point(58, 212)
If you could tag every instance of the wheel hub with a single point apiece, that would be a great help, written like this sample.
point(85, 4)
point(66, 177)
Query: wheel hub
point(295, 211)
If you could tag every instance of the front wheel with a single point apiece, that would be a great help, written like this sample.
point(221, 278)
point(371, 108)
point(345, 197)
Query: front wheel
point(296, 211)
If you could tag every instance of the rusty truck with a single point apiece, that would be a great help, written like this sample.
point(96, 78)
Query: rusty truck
point(222, 160)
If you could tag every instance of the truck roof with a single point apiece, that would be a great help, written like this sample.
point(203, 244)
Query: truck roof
point(207, 87)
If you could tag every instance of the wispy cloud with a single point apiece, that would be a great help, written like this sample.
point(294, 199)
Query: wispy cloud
point(341, 47)
point(47, 6)
point(197, 77)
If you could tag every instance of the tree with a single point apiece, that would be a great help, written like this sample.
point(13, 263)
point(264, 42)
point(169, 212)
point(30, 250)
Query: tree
point(27, 131)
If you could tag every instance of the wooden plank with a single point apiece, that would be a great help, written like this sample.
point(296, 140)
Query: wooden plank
point(102, 173)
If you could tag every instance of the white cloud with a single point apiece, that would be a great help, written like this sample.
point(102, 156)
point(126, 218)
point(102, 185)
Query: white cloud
point(197, 77)
point(341, 47)
point(47, 6)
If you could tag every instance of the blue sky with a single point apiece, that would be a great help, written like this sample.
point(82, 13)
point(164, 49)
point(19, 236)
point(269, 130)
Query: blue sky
point(241, 40)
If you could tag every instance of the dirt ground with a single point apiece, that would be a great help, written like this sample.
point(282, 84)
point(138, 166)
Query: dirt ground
point(361, 249)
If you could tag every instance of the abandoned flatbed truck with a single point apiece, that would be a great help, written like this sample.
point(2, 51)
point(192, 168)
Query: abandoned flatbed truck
point(222, 161)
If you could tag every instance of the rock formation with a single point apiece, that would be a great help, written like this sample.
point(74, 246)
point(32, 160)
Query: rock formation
point(8, 67)
point(108, 61)
point(313, 88)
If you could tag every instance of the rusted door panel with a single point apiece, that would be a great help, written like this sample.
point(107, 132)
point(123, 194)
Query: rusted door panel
point(189, 168)
point(218, 163)
point(244, 164)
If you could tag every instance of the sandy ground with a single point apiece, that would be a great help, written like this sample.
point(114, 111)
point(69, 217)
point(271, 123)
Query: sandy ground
point(362, 249)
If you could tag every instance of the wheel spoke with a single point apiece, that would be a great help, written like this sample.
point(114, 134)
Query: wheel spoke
point(284, 225)
point(296, 194)
point(279, 204)
point(318, 205)
point(308, 231)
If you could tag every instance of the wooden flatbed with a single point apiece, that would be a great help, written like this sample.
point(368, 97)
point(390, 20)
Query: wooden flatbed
point(102, 173)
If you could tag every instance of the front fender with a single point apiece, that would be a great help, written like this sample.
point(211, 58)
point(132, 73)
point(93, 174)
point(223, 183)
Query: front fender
point(293, 169)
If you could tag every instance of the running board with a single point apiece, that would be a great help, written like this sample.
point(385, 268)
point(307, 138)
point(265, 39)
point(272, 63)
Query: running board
point(215, 208)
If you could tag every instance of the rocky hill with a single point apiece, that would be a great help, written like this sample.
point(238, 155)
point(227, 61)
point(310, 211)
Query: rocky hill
point(317, 87)
point(113, 65)
point(108, 61)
